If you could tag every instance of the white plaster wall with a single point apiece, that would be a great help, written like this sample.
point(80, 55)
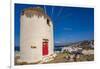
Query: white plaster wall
point(51, 46)
point(32, 31)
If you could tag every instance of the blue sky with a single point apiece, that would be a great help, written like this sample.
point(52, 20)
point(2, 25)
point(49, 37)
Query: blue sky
point(71, 24)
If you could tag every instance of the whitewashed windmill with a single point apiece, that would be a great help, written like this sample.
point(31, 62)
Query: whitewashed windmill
point(36, 35)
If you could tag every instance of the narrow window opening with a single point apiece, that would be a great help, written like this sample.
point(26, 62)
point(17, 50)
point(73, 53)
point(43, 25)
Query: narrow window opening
point(48, 22)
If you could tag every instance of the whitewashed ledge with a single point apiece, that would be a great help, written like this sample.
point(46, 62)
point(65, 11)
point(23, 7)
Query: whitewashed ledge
point(48, 58)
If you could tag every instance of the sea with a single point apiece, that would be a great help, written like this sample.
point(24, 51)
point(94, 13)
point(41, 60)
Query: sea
point(56, 48)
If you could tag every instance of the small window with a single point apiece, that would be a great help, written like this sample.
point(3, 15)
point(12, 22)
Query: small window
point(33, 46)
point(48, 22)
point(22, 12)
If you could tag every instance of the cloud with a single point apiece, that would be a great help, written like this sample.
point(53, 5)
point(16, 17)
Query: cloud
point(68, 29)
point(58, 42)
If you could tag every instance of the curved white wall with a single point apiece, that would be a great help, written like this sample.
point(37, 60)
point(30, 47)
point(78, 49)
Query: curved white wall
point(32, 32)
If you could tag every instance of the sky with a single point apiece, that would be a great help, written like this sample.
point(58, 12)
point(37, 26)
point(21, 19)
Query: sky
point(71, 24)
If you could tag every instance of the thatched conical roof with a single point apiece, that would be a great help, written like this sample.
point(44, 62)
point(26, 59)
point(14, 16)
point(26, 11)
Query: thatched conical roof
point(29, 12)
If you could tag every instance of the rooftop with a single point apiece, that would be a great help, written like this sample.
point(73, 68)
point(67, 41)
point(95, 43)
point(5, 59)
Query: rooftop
point(29, 12)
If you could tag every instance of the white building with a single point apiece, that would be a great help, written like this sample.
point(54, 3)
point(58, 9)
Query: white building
point(36, 35)
point(67, 49)
point(88, 52)
point(71, 49)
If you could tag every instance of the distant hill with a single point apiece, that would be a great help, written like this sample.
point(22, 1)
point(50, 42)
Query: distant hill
point(79, 43)
point(82, 44)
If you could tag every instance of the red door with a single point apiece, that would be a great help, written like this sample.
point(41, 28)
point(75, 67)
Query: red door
point(45, 48)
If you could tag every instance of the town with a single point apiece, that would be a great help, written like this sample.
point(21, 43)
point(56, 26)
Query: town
point(73, 52)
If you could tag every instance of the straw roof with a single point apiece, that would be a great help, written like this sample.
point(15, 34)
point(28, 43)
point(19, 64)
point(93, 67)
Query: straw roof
point(29, 12)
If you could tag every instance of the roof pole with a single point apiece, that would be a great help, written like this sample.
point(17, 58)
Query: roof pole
point(59, 13)
point(52, 11)
point(45, 9)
